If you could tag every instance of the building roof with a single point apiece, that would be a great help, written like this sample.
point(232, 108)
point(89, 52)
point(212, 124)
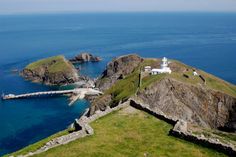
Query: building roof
point(157, 70)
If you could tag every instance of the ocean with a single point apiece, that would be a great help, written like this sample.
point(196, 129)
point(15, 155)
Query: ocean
point(203, 40)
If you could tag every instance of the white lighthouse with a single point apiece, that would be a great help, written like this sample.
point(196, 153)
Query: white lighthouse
point(164, 64)
point(164, 67)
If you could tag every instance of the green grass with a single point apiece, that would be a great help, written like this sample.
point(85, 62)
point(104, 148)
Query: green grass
point(37, 145)
point(212, 82)
point(60, 64)
point(148, 80)
point(130, 134)
point(124, 88)
point(219, 84)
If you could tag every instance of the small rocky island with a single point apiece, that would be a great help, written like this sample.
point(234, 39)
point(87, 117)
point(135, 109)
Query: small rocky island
point(55, 70)
point(85, 57)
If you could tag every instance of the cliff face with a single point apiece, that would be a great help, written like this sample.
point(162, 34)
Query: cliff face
point(195, 104)
point(51, 71)
point(118, 69)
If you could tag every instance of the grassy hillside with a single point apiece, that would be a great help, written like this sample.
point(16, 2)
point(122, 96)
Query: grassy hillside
point(128, 86)
point(55, 64)
point(212, 82)
point(124, 88)
point(130, 132)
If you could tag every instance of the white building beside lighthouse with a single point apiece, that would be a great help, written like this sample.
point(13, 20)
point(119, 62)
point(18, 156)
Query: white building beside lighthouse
point(164, 68)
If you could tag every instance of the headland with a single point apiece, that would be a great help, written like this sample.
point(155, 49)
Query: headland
point(196, 106)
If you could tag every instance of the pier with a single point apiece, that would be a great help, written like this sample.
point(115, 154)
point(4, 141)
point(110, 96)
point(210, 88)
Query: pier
point(80, 92)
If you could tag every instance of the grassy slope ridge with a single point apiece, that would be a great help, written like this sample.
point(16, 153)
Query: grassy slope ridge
point(130, 134)
point(60, 64)
point(212, 82)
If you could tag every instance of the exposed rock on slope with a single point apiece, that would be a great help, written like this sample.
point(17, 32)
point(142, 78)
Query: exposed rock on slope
point(51, 71)
point(99, 104)
point(118, 69)
point(85, 57)
point(195, 104)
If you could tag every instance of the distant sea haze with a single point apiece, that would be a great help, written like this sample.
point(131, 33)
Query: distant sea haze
point(204, 40)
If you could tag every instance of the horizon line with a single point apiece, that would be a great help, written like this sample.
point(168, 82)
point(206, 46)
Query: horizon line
point(102, 12)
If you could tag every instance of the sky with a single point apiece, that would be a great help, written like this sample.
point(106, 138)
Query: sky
point(51, 6)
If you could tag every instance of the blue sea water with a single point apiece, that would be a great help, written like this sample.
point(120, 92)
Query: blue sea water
point(204, 40)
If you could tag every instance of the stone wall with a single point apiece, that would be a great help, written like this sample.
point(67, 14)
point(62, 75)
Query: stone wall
point(158, 114)
point(201, 140)
point(180, 130)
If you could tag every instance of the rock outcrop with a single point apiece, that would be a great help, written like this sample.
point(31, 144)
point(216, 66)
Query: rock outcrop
point(85, 57)
point(117, 69)
point(99, 104)
point(195, 104)
point(51, 71)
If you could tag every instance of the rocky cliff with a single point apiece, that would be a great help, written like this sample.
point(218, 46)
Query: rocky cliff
point(203, 100)
point(51, 71)
point(196, 104)
point(118, 69)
